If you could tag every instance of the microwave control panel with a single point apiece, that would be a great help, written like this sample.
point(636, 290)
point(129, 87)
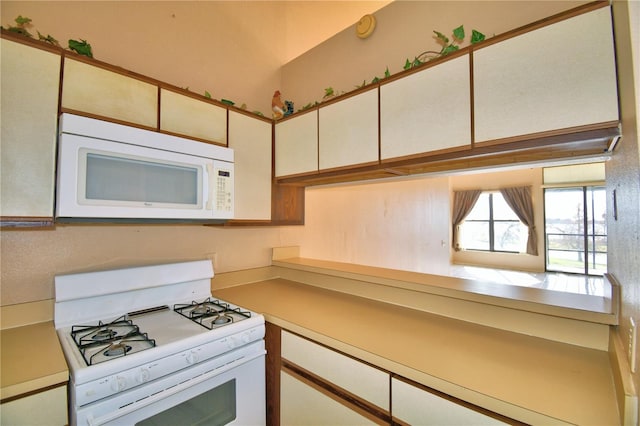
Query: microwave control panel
point(224, 189)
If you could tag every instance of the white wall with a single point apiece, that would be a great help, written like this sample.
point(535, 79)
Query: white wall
point(401, 224)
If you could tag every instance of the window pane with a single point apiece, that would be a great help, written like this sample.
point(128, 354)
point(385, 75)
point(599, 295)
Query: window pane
point(501, 210)
point(481, 209)
point(510, 236)
point(475, 235)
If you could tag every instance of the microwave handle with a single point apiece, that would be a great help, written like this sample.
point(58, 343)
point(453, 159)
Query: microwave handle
point(212, 187)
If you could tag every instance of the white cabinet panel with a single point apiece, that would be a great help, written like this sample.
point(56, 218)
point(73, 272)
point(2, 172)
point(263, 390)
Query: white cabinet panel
point(297, 145)
point(418, 407)
point(250, 139)
point(106, 93)
point(426, 111)
point(348, 131)
point(44, 408)
point(301, 404)
point(192, 117)
point(30, 85)
point(360, 379)
point(559, 76)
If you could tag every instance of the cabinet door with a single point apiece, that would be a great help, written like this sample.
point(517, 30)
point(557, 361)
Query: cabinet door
point(360, 379)
point(427, 111)
point(305, 405)
point(95, 90)
point(297, 145)
point(416, 406)
point(348, 131)
point(556, 77)
point(30, 85)
point(43, 408)
point(192, 117)
point(250, 139)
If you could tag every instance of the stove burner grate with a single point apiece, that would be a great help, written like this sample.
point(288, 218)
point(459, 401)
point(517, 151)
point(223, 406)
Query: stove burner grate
point(211, 313)
point(101, 342)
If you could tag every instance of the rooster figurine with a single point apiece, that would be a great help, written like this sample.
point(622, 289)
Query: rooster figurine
point(277, 106)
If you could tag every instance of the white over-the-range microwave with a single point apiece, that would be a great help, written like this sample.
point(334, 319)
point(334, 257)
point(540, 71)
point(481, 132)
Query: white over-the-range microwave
point(111, 172)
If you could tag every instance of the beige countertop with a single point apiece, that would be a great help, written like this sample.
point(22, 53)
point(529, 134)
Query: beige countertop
point(31, 360)
point(531, 379)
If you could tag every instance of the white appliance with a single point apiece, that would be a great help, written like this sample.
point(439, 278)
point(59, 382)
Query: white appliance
point(115, 172)
point(150, 346)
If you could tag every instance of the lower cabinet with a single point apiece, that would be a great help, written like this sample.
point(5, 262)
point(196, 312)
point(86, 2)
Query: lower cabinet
point(44, 408)
point(312, 384)
point(413, 405)
point(321, 386)
point(305, 403)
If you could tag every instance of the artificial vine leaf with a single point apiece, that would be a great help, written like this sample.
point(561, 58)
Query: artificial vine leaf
point(476, 36)
point(441, 37)
point(207, 94)
point(22, 20)
point(387, 73)
point(328, 92)
point(48, 39)
point(375, 80)
point(417, 62)
point(81, 47)
point(448, 49)
point(20, 30)
point(458, 33)
point(407, 65)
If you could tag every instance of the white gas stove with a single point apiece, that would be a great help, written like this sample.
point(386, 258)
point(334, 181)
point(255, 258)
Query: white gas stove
point(145, 343)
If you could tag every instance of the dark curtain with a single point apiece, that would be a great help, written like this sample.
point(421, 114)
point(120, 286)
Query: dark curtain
point(463, 202)
point(519, 199)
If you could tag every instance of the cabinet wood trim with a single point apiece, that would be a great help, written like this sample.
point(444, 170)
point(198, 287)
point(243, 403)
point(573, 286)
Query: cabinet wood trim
point(25, 222)
point(273, 366)
point(338, 394)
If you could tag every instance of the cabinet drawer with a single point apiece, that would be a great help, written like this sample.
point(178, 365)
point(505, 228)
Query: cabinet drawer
point(416, 406)
point(356, 377)
point(91, 89)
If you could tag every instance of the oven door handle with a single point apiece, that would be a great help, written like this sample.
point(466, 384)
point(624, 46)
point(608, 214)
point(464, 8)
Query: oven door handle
point(170, 391)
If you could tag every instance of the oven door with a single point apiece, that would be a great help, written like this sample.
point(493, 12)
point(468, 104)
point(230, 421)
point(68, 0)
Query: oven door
point(225, 390)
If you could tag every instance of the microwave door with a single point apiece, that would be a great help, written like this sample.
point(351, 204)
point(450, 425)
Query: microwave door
point(106, 179)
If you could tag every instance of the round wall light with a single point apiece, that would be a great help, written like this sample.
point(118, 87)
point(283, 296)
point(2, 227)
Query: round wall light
point(365, 26)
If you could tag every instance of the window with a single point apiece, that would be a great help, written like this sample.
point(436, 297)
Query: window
point(493, 226)
point(576, 229)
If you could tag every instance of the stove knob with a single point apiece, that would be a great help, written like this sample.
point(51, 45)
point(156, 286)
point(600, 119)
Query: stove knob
point(192, 357)
point(118, 383)
point(143, 375)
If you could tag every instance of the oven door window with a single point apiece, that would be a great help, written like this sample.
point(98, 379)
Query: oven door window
point(215, 407)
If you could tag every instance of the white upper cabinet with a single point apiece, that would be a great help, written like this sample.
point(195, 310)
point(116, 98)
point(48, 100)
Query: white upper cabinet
point(30, 85)
point(427, 111)
point(296, 145)
point(95, 90)
point(348, 131)
point(192, 117)
point(250, 139)
point(556, 77)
